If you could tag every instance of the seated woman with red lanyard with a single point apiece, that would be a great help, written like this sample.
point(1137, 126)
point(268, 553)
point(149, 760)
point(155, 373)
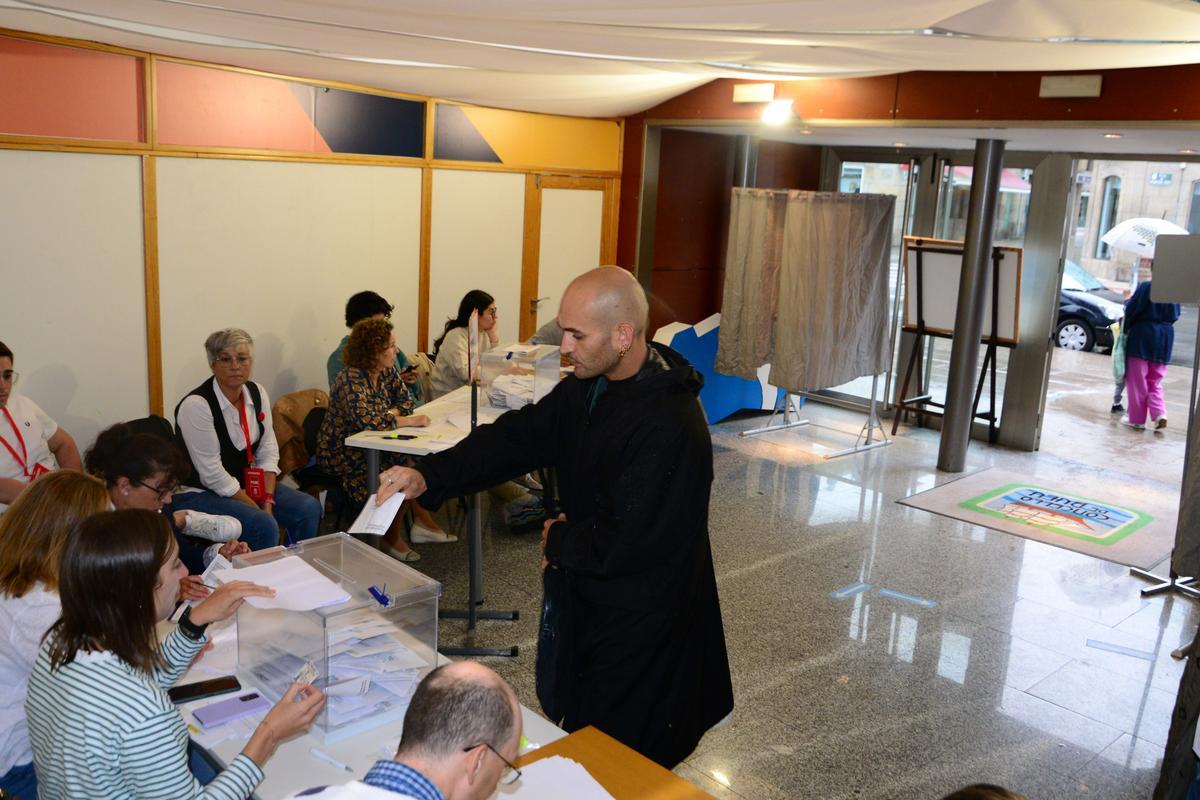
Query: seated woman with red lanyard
point(31, 444)
point(224, 426)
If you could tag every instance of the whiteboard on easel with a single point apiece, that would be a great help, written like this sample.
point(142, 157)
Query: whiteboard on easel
point(940, 262)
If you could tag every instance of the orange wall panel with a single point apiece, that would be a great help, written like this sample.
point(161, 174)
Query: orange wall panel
point(206, 107)
point(68, 92)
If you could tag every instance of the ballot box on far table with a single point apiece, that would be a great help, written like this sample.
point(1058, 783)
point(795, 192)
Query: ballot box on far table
point(516, 375)
point(368, 641)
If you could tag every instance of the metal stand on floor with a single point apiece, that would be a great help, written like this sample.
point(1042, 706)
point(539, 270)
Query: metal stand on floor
point(865, 440)
point(785, 404)
point(789, 415)
point(475, 572)
point(1176, 584)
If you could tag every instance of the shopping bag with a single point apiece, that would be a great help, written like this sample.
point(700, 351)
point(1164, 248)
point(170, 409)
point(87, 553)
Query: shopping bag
point(1118, 357)
point(555, 666)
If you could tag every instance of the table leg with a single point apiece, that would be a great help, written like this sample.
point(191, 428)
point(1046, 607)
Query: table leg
point(372, 470)
point(475, 591)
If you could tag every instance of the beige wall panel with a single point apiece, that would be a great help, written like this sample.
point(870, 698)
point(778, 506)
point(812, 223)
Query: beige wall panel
point(572, 221)
point(74, 290)
point(277, 248)
point(475, 243)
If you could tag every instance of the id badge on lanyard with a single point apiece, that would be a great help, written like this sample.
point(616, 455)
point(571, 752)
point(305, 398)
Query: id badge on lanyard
point(255, 477)
point(22, 459)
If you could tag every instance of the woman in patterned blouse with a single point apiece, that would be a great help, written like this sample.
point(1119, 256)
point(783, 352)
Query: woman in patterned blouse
point(368, 394)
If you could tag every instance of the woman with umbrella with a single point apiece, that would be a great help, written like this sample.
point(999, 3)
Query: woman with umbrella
point(1150, 334)
point(1149, 327)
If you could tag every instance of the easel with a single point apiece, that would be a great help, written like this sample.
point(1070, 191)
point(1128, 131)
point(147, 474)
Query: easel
point(919, 404)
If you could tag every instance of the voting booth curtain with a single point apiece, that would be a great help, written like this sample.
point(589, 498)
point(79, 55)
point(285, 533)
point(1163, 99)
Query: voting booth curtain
point(806, 287)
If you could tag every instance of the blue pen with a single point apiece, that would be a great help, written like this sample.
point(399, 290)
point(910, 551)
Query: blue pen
point(380, 595)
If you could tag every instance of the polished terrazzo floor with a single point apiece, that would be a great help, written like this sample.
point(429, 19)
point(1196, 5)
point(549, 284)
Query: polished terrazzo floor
point(874, 696)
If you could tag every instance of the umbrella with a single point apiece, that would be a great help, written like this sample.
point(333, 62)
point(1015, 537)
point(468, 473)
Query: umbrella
point(1138, 235)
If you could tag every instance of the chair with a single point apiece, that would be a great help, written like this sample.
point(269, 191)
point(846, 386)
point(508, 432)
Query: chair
point(311, 478)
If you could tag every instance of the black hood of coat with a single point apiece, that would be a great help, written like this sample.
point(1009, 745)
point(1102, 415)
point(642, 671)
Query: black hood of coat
point(663, 368)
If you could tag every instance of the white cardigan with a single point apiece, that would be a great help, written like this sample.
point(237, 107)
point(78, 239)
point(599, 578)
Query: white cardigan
point(450, 371)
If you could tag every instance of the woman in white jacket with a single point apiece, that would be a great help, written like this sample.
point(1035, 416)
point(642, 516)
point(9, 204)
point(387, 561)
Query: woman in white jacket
point(450, 367)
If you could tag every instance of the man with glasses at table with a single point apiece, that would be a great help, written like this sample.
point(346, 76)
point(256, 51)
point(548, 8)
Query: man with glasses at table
point(461, 735)
point(31, 444)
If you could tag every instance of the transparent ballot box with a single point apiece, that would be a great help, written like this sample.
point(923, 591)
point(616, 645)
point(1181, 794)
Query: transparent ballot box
point(516, 375)
point(366, 656)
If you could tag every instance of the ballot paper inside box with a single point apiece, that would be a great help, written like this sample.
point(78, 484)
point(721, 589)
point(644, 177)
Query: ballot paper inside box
point(366, 657)
point(516, 375)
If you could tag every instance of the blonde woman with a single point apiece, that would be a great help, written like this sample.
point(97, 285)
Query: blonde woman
point(33, 535)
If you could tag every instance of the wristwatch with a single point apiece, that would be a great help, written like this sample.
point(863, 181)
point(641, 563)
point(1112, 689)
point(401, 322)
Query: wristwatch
point(190, 629)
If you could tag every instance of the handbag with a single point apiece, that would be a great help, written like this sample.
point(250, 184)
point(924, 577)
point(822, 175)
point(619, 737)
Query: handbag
point(555, 666)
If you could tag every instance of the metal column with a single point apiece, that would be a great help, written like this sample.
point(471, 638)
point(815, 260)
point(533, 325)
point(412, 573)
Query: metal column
point(968, 321)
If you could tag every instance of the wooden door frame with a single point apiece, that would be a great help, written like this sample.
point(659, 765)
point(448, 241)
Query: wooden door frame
point(532, 241)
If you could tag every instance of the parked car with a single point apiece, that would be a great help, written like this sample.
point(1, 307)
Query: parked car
point(1086, 311)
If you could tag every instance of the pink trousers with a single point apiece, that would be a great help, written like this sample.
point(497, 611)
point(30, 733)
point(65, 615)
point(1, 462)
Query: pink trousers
point(1143, 381)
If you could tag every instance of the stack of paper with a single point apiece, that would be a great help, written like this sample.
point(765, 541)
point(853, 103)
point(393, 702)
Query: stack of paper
point(554, 778)
point(371, 670)
point(511, 391)
point(298, 586)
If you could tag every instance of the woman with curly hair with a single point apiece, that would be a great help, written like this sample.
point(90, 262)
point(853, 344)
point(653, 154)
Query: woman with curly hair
point(368, 395)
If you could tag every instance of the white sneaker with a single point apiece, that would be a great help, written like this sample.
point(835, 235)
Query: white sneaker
point(1160, 423)
point(529, 481)
point(212, 527)
point(422, 535)
point(1136, 426)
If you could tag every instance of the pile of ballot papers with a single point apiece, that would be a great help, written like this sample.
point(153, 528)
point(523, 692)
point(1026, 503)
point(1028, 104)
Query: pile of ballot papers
point(371, 672)
point(511, 391)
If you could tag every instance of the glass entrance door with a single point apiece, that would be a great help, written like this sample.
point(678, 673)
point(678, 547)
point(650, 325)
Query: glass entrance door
point(1012, 219)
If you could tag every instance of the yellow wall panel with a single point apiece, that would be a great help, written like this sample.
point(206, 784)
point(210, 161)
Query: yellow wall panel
point(540, 140)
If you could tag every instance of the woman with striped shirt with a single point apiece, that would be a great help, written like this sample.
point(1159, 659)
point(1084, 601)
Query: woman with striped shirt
point(100, 721)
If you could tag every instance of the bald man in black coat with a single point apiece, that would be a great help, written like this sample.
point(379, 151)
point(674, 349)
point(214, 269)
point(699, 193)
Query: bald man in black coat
point(628, 439)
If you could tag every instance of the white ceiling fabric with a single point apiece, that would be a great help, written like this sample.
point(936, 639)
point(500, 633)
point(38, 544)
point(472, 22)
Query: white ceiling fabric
point(615, 57)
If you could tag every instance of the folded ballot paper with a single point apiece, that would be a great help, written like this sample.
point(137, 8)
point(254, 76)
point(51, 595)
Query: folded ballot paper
point(554, 778)
point(297, 584)
point(376, 518)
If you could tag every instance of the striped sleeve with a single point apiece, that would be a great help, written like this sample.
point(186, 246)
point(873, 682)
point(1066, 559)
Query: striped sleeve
point(178, 652)
point(155, 761)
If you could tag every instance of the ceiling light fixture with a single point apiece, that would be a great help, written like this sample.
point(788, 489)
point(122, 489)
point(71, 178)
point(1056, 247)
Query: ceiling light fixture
point(1113, 135)
point(1187, 151)
point(777, 112)
point(899, 144)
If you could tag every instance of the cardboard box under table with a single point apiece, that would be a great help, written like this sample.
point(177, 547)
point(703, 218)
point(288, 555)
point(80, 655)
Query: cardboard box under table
point(367, 657)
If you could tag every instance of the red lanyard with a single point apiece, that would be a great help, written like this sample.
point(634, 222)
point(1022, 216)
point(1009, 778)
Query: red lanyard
point(22, 459)
point(246, 430)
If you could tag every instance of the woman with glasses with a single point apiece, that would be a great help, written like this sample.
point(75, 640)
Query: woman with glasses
point(101, 724)
point(368, 395)
point(142, 470)
point(522, 510)
point(450, 367)
point(224, 427)
point(31, 444)
point(33, 535)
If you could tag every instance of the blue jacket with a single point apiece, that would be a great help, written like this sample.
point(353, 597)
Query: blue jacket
point(1149, 327)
